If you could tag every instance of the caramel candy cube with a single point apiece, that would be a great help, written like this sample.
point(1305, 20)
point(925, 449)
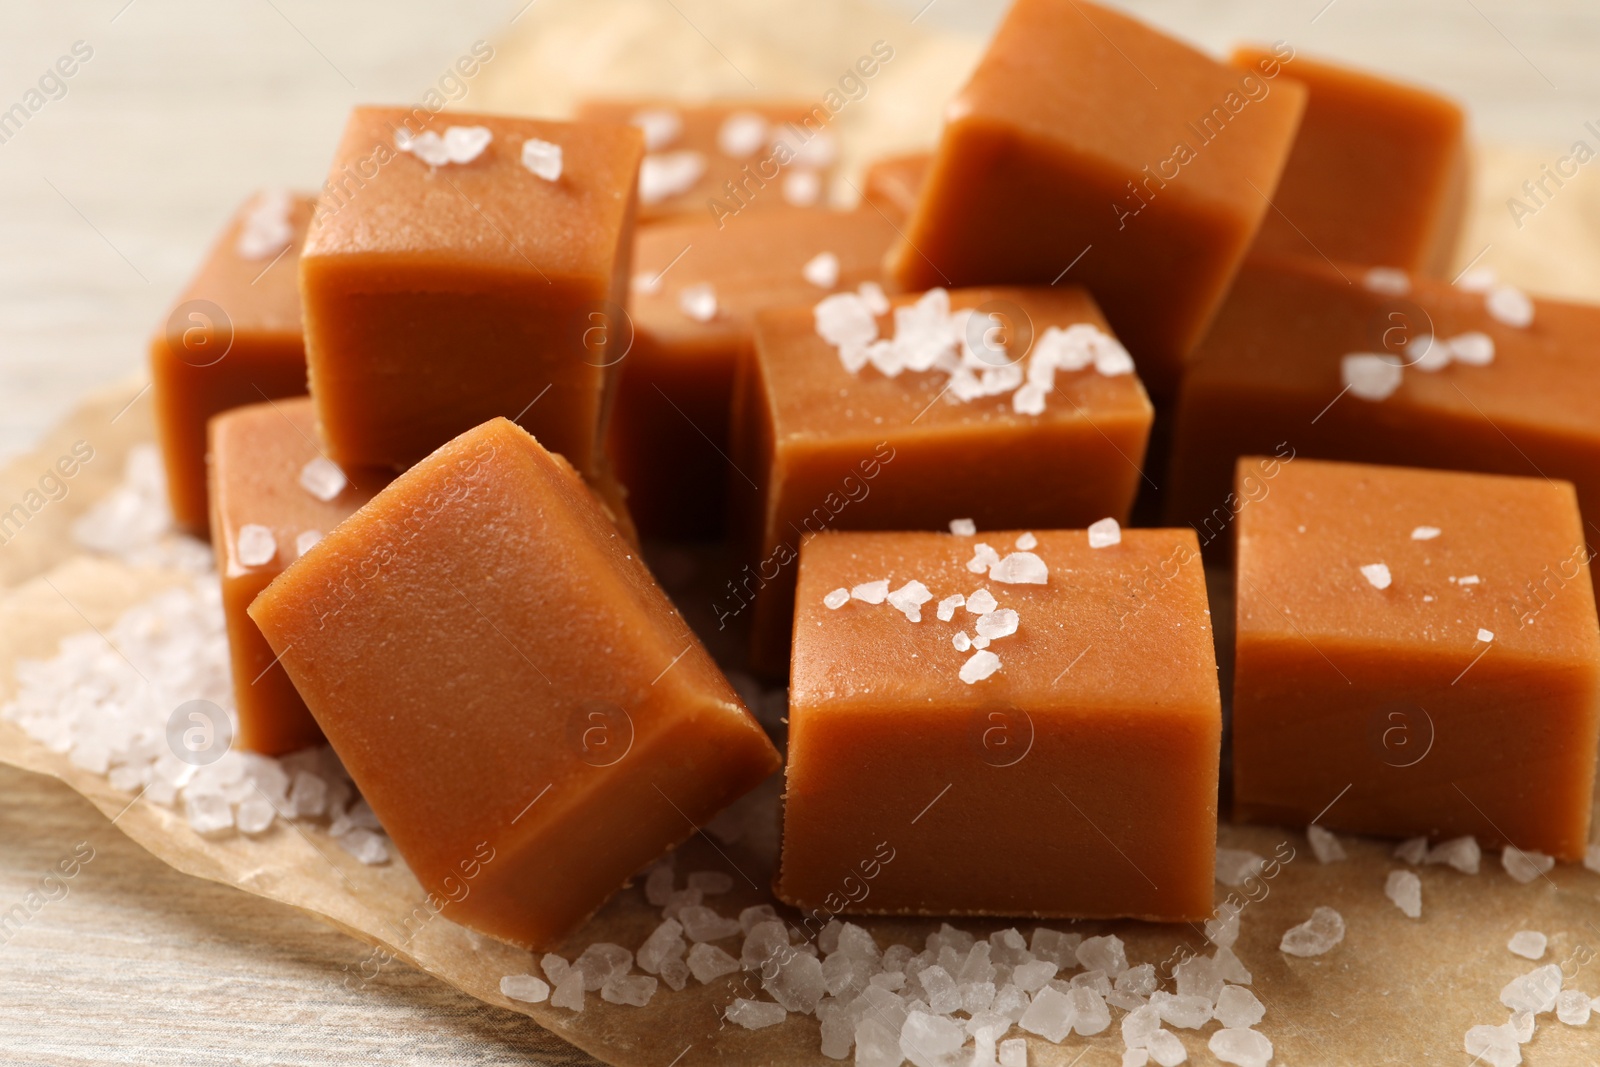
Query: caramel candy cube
point(921, 771)
point(695, 293)
point(1089, 146)
point(232, 338)
point(1378, 172)
point(715, 161)
point(893, 183)
point(481, 271)
point(1472, 391)
point(501, 674)
point(1418, 655)
point(819, 446)
point(273, 495)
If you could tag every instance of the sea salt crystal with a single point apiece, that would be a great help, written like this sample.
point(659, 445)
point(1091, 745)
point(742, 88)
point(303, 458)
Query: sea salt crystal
point(256, 546)
point(948, 606)
point(755, 915)
point(1428, 353)
point(1028, 400)
point(847, 322)
point(1524, 866)
point(1485, 635)
point(822, 270)
point(1021, 568)
point(742, 134)
point(1104, 533)
point(1245, 1048)
point(963, 527)
point(266, 228)
point(979, 666)
point(1377, 574)
point(1013, 1053)
point(909, 598)
point(1475, 349)
point(368, 846)
point(1324, 845)
point(1050, 1015)
point(929, 1040)
point(660, 126)
point(837, 599)
point(663, 175)
point(304, 541)
point(1185, 1012)
point(708, 962)
point(1462, 853)
point(1090, 1014)
point(1412, 850)
point(961, 641)
point(1468, 579)
point(526, 988)
point(999, 623)
point(308, 796)
point(1135, 1057)
point(634, 989)
point(701, 923)
point(755, 1014)
point(255, 813)
point(1390, 281)
point(699, 302)
point(665, 942)
point(1235, 865)
point(877, 1045)
point(1425, 533)
point(1165, 1048)
point(1316, 935)
point(1494, 1046)
point(1368, 376)
point(1510, 305)
point(802, 187)
point(543, 159)
point(1405, 889)
point(1535, 991)
point(1238, 1008)
point(1591, 857)
point(1573, 1007)
point(1031, 977)
point(601, 962)
point(208, 813)
point(659, 883)
point(568, 992)
point(554, 967)
point(871, 592)
point(983, 558)
point(1105, 953)
point(1529, 944)
point(463, 144)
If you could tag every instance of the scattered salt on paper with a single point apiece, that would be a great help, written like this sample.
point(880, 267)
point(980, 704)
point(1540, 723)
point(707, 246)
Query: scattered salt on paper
point(1412, 850)
point(1405, 889)
point(1324, 845)
point(1529, 944)
point(1523, 865)
point(1462, 853)
point(526, 988)
point(1235, 865)
point(1316, 935)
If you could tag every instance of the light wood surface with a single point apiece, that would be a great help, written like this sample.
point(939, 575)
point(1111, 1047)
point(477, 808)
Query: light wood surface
point(109, 195)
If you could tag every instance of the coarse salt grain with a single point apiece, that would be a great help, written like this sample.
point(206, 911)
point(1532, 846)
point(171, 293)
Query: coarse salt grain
point(1324, 845)
point(699, 302)
point(266, 229)
point(660, 126)
point(1529, 944)
point(962, 641)
point(1027, 541)
point(256, 545)
point(963, 527)
point(1020, 568)
point(322, 478)
point(837, 599)
point(304, 541)
point(948, 606)
point(871, 592)
point(1495, 1046)
point(1428, 353)
point(1105, 533)
point(802, 187)
point(1405, 889)
point(1485, 635)
point(999, 623)
point(1525, 865)
point(1243, 1048)
point(1369, 376)
point(1316, 935)
point(1425, 533)
point(526, 988)
point(909, 598)
point(1468, 579)
point(979, 666)
point(1412, 850)
point(983, 557)
point(1235, 865)
point(742, 134)
point(708, 962)
point(1391, 281)
point(1509, 305)
point(822, 270)
point(1462, 853)
point(1377, 574)
point(543, 159)
point(1574, 1007)
point(981, 602)
point(1474, 348)
point(663, 175)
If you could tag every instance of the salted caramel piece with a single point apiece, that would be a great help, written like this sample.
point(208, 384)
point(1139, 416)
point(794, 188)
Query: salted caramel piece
point(668, 435)
point(499, 672)
point(893, 183)
point(273, 495)
point(1472, 392)
point(1378, 173)
point(716, 161)
point(1088, 142)
point(460, 279)
point(1417, 649)
point(919, 776)
point(233, 337)
point(1003, 440)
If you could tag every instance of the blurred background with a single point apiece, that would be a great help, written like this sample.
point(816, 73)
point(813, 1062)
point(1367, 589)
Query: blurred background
point(113, 181)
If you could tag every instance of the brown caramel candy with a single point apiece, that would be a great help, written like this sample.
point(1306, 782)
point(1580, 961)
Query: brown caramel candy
point(920, 774)
point(818, 446)
point(715, 161)
point(1472, 391)
point(232, 338)
point(273, 495)
point(441, 294)
point(1378, 172)
point(1417, 655)
point(1087, 142)
point(668, 436)
point(498, 671)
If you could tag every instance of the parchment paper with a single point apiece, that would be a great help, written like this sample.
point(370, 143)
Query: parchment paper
point(1396, 991)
